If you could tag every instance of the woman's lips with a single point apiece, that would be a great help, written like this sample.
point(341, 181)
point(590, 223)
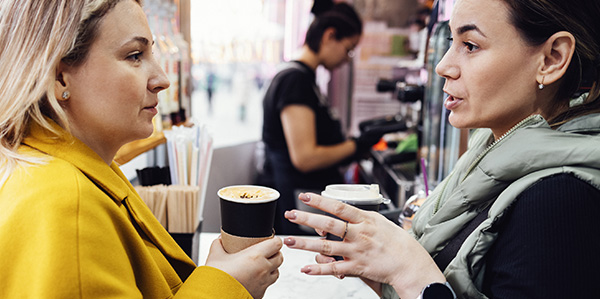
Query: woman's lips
point(151, 109)
point(451, 102)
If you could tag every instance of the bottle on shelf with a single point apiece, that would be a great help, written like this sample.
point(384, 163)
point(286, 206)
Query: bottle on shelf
point(172, 52)
point(185, 64)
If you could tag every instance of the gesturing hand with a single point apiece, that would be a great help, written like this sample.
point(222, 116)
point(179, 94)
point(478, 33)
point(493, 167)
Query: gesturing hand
point(373, 248)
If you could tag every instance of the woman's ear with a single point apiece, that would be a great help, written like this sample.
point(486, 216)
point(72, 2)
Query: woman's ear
point(61, 91)
point(329, 34)
point(558, 51)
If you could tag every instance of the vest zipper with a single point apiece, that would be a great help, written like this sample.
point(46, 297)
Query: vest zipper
point(527, 121)
point(439, 197)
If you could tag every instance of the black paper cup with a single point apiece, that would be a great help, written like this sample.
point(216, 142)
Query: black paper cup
point(364, 197)
point(248, 210)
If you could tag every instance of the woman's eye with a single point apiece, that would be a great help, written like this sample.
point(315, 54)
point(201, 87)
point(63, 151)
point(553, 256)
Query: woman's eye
point(137, 56)
point(470, 47)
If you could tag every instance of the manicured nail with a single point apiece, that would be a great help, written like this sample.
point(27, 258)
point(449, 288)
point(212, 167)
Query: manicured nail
point(305, 270)
point(304, 197)
point(340, 276)
point(291, 215)
point(289, 241)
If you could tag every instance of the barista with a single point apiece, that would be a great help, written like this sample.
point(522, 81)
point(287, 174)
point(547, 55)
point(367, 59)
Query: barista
point(305, 146)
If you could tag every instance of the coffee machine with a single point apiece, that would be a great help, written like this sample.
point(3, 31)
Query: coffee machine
point(439, 144)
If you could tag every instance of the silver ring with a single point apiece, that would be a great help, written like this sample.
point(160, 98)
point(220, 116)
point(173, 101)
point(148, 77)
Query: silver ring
point(345, 232)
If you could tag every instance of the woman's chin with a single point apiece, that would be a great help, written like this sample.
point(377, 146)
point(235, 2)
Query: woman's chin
point(457, 121)
point(143, 133)
point(454, 120)
point(148, 132)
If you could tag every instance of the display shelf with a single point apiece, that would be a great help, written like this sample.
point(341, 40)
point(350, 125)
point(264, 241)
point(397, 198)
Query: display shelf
point(138, 147)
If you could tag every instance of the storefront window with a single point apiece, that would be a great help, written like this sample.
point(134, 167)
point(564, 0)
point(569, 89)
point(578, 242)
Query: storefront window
point(237, 46)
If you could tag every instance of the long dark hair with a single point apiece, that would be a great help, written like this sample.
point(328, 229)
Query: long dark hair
point(340, 16)
point(537, 20)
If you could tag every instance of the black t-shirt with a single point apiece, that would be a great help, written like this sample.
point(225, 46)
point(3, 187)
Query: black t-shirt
point(548, 244)
point(295, 84)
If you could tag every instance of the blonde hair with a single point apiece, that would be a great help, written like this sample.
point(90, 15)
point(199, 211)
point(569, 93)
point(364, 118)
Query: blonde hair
point(35, 37)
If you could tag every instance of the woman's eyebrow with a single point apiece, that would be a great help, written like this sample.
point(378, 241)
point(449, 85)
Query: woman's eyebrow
point(468, 27)
point(139, 39)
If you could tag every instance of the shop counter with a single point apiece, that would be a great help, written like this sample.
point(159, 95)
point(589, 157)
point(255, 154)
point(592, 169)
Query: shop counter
point(292, 284)
point(135, 148)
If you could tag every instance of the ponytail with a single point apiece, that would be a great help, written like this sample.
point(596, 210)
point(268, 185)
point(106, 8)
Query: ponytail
point(321, 6)
point(538, 20)
point(589, 93)
point(340, 16)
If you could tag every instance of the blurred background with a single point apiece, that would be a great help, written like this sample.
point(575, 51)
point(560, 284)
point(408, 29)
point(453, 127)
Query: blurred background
point(221, 55)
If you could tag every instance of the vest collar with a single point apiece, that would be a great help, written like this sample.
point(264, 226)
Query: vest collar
point(485, 170)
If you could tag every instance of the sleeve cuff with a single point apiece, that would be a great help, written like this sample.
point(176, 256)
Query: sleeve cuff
point(208, 282)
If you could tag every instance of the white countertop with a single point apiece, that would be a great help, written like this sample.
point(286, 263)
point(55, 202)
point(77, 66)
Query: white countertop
point(292, 284)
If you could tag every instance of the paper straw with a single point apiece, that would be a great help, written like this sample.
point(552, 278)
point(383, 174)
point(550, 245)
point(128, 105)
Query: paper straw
point(171, 156)
point(424, 171)
point(205, 171)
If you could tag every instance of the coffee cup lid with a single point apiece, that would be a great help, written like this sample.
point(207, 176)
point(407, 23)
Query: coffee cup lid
point(367, 194)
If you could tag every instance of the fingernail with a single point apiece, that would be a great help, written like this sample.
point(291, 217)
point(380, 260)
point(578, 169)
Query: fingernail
point(290, 215)
point(304, 197)
point(340, 276)
point(305, 270)
point(289, 241)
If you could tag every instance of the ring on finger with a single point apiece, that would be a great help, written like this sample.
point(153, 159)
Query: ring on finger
point(345, 232)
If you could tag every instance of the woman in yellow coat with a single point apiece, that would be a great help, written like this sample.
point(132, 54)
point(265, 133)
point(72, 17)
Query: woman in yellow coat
point(79, 80)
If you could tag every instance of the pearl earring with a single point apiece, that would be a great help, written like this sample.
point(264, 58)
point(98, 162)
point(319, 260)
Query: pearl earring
point(66, 95)
point(541, 85)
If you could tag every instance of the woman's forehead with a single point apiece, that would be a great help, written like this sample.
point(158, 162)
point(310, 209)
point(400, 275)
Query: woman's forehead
point(480, 16)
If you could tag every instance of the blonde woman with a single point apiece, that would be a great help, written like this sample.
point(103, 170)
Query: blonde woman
point(79, 81)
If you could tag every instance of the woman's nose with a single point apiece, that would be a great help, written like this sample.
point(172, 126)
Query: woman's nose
point(158, 80)
point(446, 68)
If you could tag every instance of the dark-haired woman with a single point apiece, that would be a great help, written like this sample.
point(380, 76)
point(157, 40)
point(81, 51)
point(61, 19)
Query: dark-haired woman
point(305, 144)
point(518, 216)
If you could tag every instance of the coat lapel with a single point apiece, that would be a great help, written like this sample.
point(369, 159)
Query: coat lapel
point(113, 182)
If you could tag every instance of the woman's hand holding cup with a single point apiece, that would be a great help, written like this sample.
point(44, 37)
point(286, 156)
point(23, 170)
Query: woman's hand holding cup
point(247, 248)
point(255, 267)
point(373, 247)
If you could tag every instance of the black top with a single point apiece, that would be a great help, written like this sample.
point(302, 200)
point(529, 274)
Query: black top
point(296, 85)
point(548, 244)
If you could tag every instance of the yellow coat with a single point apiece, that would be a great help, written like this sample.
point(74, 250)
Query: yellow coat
point(74, 227)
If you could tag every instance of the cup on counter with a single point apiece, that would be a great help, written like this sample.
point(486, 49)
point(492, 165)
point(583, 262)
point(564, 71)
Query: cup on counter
point(411, 207)
point(362, 196)
point(247, 215)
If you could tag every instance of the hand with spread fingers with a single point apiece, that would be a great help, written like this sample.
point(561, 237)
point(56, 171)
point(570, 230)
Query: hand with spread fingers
point(374, 248)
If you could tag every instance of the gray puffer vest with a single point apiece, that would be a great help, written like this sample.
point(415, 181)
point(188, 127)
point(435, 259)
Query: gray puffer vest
point(495, 173)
